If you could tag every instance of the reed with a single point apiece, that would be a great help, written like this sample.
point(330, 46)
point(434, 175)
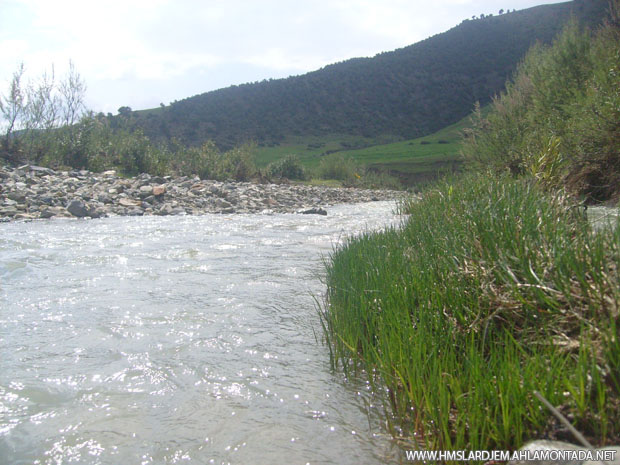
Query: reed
point(491, 290)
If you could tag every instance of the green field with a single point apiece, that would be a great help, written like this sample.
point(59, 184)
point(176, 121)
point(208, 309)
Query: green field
point(310, 149)
point(410, 160)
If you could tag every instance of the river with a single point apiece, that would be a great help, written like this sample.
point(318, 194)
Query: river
point(178, 340)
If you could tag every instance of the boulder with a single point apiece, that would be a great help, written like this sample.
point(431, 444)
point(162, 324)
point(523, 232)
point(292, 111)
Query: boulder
point(314, 211)
point(42, 171)
point(159, 190)
point(146, 191)
point(77, 208)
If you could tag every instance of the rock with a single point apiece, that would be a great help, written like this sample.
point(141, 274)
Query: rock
point(8, 211)
point(24, 216)
point(43, 193)
point(159, 190)
point(125, 202)
point(42, 171)
point(313, 211)
point(77, 208)
point(145, 191)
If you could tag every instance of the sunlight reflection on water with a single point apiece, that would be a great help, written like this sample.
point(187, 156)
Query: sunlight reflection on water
point(177, 339)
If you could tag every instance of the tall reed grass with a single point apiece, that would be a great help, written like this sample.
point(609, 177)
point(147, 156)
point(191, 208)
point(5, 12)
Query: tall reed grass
point(491, 290)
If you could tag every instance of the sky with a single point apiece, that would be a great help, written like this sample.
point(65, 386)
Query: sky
point(142, 53)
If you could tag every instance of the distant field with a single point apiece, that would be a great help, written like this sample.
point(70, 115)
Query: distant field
point(310, 149)
point(417, 159)
point(411, 160)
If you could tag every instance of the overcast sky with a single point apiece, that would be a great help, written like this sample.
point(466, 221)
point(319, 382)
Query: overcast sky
point(141, 53)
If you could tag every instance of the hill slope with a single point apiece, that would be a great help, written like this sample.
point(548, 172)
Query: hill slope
point(406, 93)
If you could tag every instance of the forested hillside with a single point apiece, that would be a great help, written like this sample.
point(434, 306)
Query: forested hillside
point(406, 93)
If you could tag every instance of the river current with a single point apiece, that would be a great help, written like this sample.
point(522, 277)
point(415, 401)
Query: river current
point(190, 339)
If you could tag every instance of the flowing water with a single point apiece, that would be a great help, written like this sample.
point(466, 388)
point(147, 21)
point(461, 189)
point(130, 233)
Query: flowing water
point(177, 340)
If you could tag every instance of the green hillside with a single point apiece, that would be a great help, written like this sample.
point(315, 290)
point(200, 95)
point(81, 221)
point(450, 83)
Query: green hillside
point(403, 94)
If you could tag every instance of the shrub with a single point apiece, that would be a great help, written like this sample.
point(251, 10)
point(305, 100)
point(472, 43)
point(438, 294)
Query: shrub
point(559, 117)
point(208, 162)
point(288, 167)
point(340, 168)
point(373, 179)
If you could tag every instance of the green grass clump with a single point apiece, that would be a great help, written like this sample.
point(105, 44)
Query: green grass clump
point(492, 289)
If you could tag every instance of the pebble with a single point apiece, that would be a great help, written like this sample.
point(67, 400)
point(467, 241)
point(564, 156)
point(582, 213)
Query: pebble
point(33, 192)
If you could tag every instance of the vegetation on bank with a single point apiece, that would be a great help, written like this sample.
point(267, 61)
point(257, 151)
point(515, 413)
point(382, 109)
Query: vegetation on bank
point(559, 119)
point(491, 290)
point(497, 285)
point(46, 123)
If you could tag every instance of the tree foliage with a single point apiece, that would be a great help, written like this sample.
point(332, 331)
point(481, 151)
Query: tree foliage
point(32, 110)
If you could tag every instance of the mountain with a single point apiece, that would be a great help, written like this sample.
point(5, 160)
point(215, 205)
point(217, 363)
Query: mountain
point(406, 93)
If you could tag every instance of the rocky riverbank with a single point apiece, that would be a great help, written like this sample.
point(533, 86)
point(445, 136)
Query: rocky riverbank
point(33, 192)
